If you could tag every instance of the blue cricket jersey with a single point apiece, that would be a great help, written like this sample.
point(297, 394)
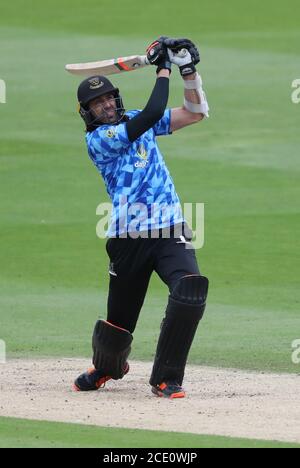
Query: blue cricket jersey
point(136, 177)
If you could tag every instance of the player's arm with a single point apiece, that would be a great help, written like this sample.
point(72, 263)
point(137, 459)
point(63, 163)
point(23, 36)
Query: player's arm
point(157, 103)
point(195, 106)
point(180, 116)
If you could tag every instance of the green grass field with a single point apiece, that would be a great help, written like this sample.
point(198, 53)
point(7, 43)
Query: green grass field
point(243, 163)
point(20, 433)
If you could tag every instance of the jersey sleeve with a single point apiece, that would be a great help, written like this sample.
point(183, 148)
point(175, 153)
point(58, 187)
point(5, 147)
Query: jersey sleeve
point(107, 143)
point(163, 126)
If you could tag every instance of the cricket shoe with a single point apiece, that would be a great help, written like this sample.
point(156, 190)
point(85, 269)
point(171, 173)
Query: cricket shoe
point(93, 379)
point(168, 390)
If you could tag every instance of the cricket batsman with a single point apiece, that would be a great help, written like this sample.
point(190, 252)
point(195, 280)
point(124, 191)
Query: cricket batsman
point(123, 147)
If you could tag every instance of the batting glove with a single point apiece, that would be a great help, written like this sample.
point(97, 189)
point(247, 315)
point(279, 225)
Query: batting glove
point(157, 54)
point(182, 43)
point(185, 64)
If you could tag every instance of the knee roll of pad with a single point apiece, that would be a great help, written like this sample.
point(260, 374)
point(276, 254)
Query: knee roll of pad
point(191, 290)
point(111, 347)
point(184, 311)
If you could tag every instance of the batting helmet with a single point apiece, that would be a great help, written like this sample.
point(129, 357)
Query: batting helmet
point(92, 88)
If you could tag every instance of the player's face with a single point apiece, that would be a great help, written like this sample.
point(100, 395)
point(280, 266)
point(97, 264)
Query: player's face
point(105, 108)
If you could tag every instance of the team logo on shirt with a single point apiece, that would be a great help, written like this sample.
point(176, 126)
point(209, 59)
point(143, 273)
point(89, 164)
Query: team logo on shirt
point(142, 153)
point(110, 133)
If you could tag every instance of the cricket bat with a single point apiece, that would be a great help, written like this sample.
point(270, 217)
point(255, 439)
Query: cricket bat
point(112, 66)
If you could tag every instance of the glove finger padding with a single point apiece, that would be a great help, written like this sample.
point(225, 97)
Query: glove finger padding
point(155, 53)
point(177, 43)
point(195, 55)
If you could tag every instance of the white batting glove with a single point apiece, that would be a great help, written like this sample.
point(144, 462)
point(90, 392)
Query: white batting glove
point(183, 60)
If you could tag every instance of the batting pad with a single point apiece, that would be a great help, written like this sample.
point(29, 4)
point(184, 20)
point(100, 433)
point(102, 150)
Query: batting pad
point(184, 311)
point(111, 347)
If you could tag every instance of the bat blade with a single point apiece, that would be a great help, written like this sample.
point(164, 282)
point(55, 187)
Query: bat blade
point(108, 67)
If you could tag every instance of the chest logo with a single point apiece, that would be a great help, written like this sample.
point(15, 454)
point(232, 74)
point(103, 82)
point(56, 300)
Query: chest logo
point(142, 153)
